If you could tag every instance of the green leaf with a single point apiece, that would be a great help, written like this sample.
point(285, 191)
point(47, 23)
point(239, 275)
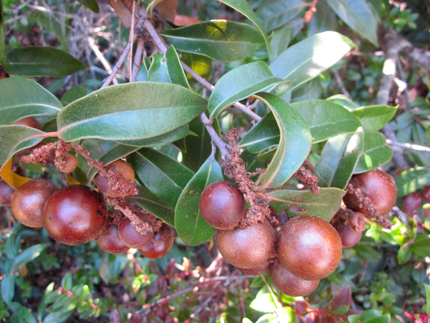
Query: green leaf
point(91, 4)
point(343, 101)
point(197, 148)
point(412, 179)
point(152, 109)
point(67, 281)
point(367, 252)
point(73, 94)
point(357, 15)
point(14, 139)
point(263, 135)
point(200, 64)
point(161, 174)
point(8, 287)
point(275, 14)
point(380, 319)
point(421, 247)
point(43, 61)
point(142, 74)
point(324, 205)
point(58, 317)
point(294, 143)
point(3, 57)
point(322, 20)
point(149, 202)
point(160, 140)
point(191, 227)
point(374, 117)
point(21, 97)
point(404, 254)
point(308, 58)
point(263, 302)
point(280, 40)
point(375, 153)
point(43, 303)
point(427, 287)
point(30, 254)
point(245, 9)
point(240, 83)
point(167, 68)
point(338, 160)
point(221, 40)
point(105, 151)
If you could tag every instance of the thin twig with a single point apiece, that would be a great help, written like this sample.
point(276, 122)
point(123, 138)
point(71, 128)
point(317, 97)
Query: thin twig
point(408, 146)
point(340, 84)
point(222, 146)
point(131, 40)
point(101, 58)
point(117, 65)
point(137, 59)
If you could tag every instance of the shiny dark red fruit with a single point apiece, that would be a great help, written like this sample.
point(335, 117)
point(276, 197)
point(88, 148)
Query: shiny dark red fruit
point(309, 247)
point(254, 271)
point(222, 205)
point(411, 203)
point(28, 122)
point(109, 240)
point(29, 200)
point(247, 248)
point(378, 186)
point(130, 237)
point(122, 168)
point(6, 192)
point(160, 244)
point(348, 235)
point(289, 284)
point(75, 214)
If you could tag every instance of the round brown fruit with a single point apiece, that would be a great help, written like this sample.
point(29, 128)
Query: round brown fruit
point(411, 203)
point(247, 248)
point(289, 284)
point(109, 240)
point(28, 122)
point(160, 244)
point(378, 186)
point(309, 247)
point(75, 214)
point(222, 205)
point(348, 235)
point(6, 192)
point(254, 271)
point(130, 237)
point(28, 202)
point(69, 164)
point(122, 168)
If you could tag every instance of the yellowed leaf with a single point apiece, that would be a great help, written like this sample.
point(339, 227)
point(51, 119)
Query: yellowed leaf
point(71, 180)
point(11, 178)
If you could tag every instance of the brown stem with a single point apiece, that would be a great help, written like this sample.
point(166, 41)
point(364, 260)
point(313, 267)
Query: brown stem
point(44, 135)
point(131, 40)
point(137, 59)
point(117, 65)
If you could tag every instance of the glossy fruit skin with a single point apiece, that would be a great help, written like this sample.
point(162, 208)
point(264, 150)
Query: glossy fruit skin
point(254, 271)
point(75, 214)
point(28, 122)
point(6, 192)
point(378, 186)
point(109, 240)
point(289, 284)
point(122, 168)
point(160, 244)
point(222, 205)
point(29, 200)
point(348, 235)
point(411, 203)
point(247, 248)
point(309, 247)
point(130, 237)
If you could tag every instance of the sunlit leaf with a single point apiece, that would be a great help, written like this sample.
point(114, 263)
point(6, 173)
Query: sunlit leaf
point(376, 152)
point(374, 117)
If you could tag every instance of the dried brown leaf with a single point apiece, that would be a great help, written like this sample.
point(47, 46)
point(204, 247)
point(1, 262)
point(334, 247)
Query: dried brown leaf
point(123, 9)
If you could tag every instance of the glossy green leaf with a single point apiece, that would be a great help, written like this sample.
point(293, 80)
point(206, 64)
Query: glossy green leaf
point(8, 287)
point(338, 160)
point(294, 143)
point(357, 15)
point(161, 174)
point(91, 4)
point(275, 14)
point(142, 73)
point(412, 179)
point(427, 287)
point(105, 151)
point(240, 83)
point(43, 61)
point(67, 281)
point(280, 40)
point(149, 202)
point(73, 94)
point(324, 205)
point(160, 140)
point(375, 153)
point(167, 68)
point(374, 117)
point(404, 254)
point(322, 20)
point(3, 57)
point(245, 9)
point(221, 40)
point(152, 109)
point(380, 319)
point(343, 101)
point(191, 227)
point(197, 148)
point(308, 58)
point(14, 139)
point(30, 254)
point(20, 98)
point(325, 120)
point(200, 64)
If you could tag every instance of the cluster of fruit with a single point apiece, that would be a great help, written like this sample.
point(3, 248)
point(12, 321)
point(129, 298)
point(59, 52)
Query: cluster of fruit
point(303, 250)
